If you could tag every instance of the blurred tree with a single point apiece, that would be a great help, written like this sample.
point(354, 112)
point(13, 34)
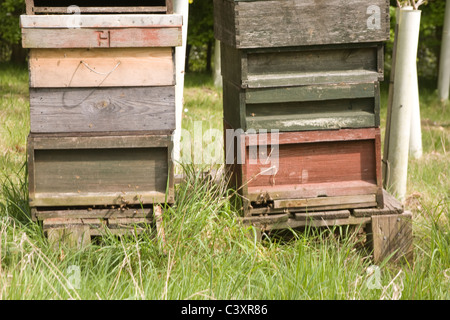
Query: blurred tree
point(200, 38)
point(430, 37)
point(10, 37)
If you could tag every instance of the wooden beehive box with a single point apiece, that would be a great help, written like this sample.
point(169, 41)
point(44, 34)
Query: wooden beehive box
point(99, 6)
point(102, 110)
point(283, 23)
point(83, 171)
point(302, 88)
point(299, 108)
point(306, 171)
point(101, 31)
point(304, 65)
point(110, 73)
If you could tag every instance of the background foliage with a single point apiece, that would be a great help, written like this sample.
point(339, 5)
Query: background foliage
point(200, 41)
point(10, 48)
point(430, 37)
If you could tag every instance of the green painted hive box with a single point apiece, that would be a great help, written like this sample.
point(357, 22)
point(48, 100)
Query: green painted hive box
point(280, 23)
point(86, 171)
point(302, 108)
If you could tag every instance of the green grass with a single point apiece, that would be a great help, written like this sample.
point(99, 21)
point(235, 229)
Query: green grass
point(14, 117)
point(208, 254)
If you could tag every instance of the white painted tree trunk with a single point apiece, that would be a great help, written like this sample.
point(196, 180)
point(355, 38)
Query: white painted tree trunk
point(400, 126)
point(415, 138)
point(217, 68)
point(444, 66)
point(180, 7)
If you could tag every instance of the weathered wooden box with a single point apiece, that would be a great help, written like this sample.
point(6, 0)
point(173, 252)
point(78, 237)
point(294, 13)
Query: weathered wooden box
point(305, 171)
point(70, 171)
point(101, 73)
point(99, 6)
point(307, 65)
point(299, 108)
point(112, 67)
point(101, 31)
point(101, 50)
point(121, 109)
point(280, 23)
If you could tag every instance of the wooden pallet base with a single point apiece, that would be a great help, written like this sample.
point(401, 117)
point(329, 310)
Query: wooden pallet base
point(388, 230)
point(78, 232)
point(323, 209)
point(75, 227)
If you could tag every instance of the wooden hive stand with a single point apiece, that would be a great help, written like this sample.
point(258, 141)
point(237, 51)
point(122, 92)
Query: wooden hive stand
point(388, 230)
point(102, 115)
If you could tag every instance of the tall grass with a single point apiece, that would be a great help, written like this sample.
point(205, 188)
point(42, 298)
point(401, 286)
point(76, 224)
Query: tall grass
point(14, 117)
point(208, 253)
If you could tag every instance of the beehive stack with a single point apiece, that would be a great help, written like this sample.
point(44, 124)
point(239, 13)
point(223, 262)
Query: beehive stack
point(311, 70)
point(102, 112)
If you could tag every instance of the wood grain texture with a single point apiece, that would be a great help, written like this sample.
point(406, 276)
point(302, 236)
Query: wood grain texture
point(102, 109)
point(312, 163)
point(111, 141)
point(392, 235)
point(316, 107)
point(294, 66)
point(100, 171)
point(310, 93)
point(61, 229)
point(234, 106)
point(103, 10)
point(324, 170)
point(293, 223)
point(29, 5)
point(92, 212)
point(101, 21)
point(99, 6)
point(322, 215)
point(296, 22)
point(74, 236)
point(169, 6)
point(96, 171)
point(289, 138)
point(101, 38)
point(112, 67)
point(391, 206)
point(324, 201)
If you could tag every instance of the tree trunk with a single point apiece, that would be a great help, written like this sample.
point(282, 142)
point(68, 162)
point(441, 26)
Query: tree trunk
point(444, 65)
point(217, 66)
point(400, 126)
point(389, 103)
point(188, 52)
point(209, 56)
point(181, 58)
